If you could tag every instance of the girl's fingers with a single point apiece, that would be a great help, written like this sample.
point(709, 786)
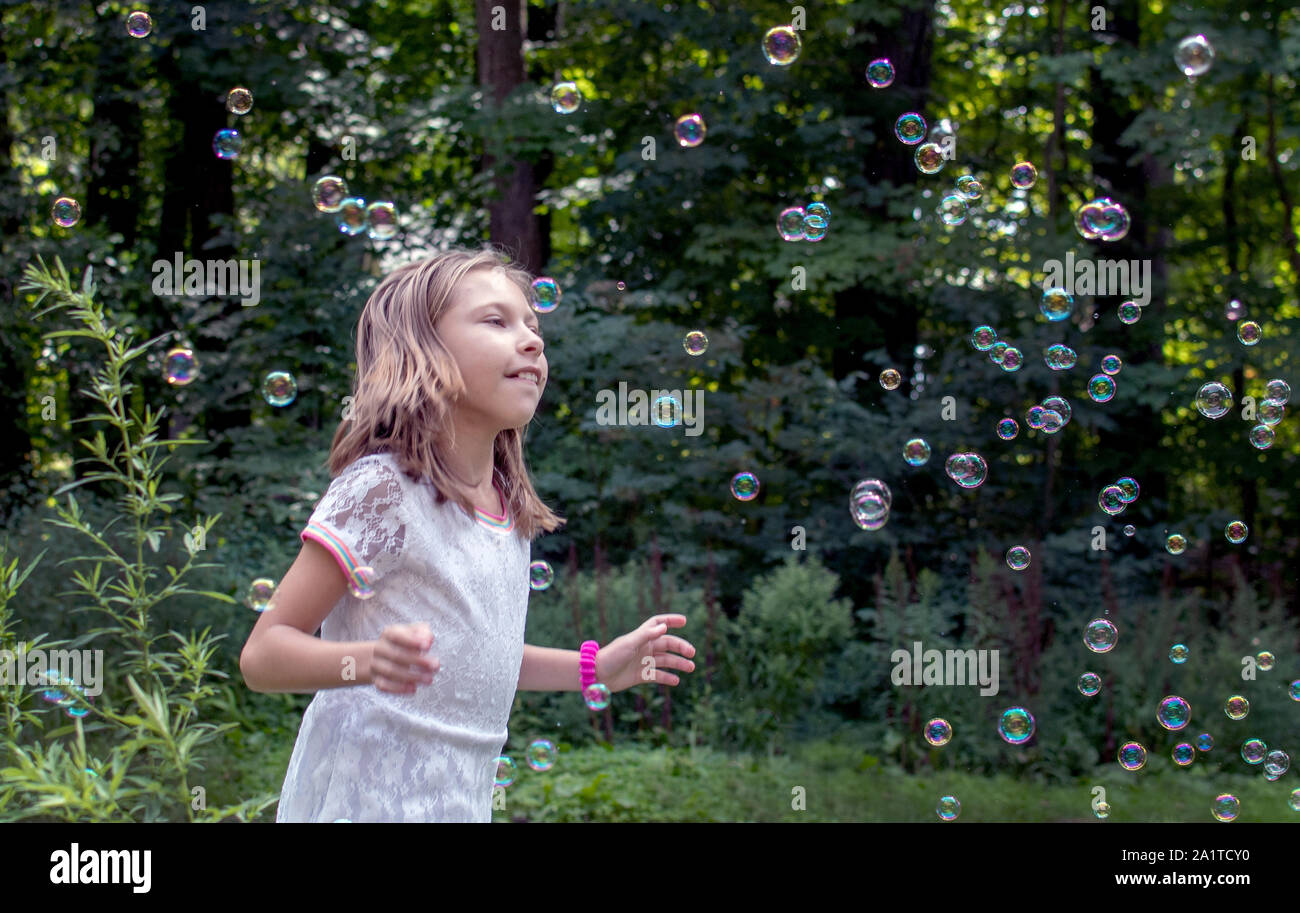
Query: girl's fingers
point(672, 621)
point(672, 661)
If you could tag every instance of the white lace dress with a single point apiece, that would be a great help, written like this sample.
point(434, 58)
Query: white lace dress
point(366, 755)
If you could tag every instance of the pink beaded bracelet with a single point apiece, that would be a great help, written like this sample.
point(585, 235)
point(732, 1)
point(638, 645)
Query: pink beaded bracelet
point(587, 663)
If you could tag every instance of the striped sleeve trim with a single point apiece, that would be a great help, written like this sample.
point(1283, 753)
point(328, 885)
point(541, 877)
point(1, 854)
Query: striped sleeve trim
point(334, 544)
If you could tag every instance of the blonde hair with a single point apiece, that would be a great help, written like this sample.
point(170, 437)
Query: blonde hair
point(407, 384)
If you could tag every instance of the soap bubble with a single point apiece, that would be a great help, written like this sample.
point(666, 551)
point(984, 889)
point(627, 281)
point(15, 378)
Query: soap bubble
point(596, 696)
point(1204, 742)
point(667, 411)
point(952, 209)
point(969, 470)
point(279, 388)
point(969, 188)
point(1234, 310)
point(1008, 429)
point(540, 754)
point(1132, 756)
point(1277, 762)
point(1271, 411)
point(1279, 390)
point(1294, 691)
point(1226, 807)
point(789, 225)
point(259, 594)
point(1111, 364)
point(744, 486)
point(1056, 304)
point(814, 227)
point(880, 73)
point(66, 212)
point(916, 452)
point(1100, 636)
point(1011, 359)
point(329, 192)
point(1253, 751)
point(227, 143)
point(689, 130)
point(1101, 388)
point(1061, 406)
point(695, 343)
point(1236, 532)
point(1016, 725)
point(948, 808)
point(1261, 437)
point(1102, 810)
point(505, 770)
point(139, 24)
point(996, 352)
point(239, 100)
point(566, 98)
point(1249, 333)
point(821, 210)
point(1052, 421)
point(382, 219)
point(1023, 175)
point(1236, 707)
point(869, 504)
point(1111, 500)
point(540, 575)
point(983, 338)
point(1264, 660)
point(1017, 557)
point(1089, 684)
point(180, 366)
point(351, 216)
point(1059, 357)
point(1034, 417)
point(546, 295)
point(361, 582)
point(890, 379)
point(1178, 654)
point(781, 46)
point(1184, 754)
point(1176, 544)
point(1213, 400)
point(1130, 530)
point(910, 128)
point(938, 732)
point(1194, 55)
point(1294, 801)
point(1173, 713)
point(1129, 312)
point(1128, 489)
point(929, 159)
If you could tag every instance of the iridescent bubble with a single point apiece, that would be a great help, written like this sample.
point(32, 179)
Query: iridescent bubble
point(789, 225)
point(1236, 532)
point(382, 220)
point(929, 160)
point(54, 694)
point(1249, 333)
point(1034, 417)
point(1100, 636)
point(916, 452)
point(1023, 175)
point(82, 710)
point(1101, 810)
point(1060, 405)
point(279, 388)
point(695, 343)
point(361, 582)
point(938, 732)
point(540, 575)
point(1236, 707)
point(566, 98)
point(1253, 751)
point(1294, 691)
point(351, 216)
point(239, 100)
point(596, 696)
point(1276, 763)
point(1279, 390)
point(1173, 713)
point(1101, 388)
point(969, 188)
point(540, 754)
point(952, 209)
point(1184, 753)
point(66, 212)
point(1052, 421)
point(1111, 364)
point(1060, 357)
point(1008, 429)
point(744, 486)
point(880, 73)
point(1261, 437)
point(329, 192)
point(546, 295)
point(689, 130)
point(1176, 544)
point(1178, 654)
point(821, 210)
point(666, 411)
point(1194, 55)
point(1056, 304)
point(1111, 500)
point(1130, 530)
point(1294, 801)
point(1089, 684)
point(1204, 742)
point(1018, 557)
point(983, 338)
point(1213, 400)
point(259, 594)
point(1117, 217)
point(227, 143)
point(1130, 312)
point(869, 504)
point(1128, 488)
point(1016, 725)
point(969, 470)
point(1264, 660)
point(139, 24)
point(1102, 218)
point(814, 227)
point(180, 367)
point(505, 770)
point(890, 379)
point(1271, 411)
point(910, 128)
point(1011, 360)
point(1234, 310)
point(781, 46)
point(948, 808)
point(1226, 807)
point(1132, 756)
point(996, 353)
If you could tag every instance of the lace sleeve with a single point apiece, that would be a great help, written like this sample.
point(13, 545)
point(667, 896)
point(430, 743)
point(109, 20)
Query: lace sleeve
point(361, 521)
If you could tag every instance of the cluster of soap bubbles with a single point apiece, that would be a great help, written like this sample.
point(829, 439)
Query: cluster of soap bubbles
point(1049, 416)
point(969, 470)
point(870, 503)
point(953, 208)
point(353, 216)
point(1114, 498)
point(796, 223)
point(540, 575)
point(64, 691)
point(1060, 357)
point(985, 339)
point(540, 756)
point(1102, 218)
point(1271, 411)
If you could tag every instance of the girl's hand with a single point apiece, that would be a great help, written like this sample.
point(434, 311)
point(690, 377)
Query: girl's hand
point(399, 662)
point(643, 656)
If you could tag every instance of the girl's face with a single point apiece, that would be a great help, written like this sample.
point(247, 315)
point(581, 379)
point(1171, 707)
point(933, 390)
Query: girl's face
point(494, 335)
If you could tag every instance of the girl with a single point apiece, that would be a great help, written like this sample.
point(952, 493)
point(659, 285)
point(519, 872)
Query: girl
point(423, 539)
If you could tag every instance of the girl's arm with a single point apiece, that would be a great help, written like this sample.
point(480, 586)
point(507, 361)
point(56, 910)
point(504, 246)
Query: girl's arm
point(549, 669)
point(284, 655)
